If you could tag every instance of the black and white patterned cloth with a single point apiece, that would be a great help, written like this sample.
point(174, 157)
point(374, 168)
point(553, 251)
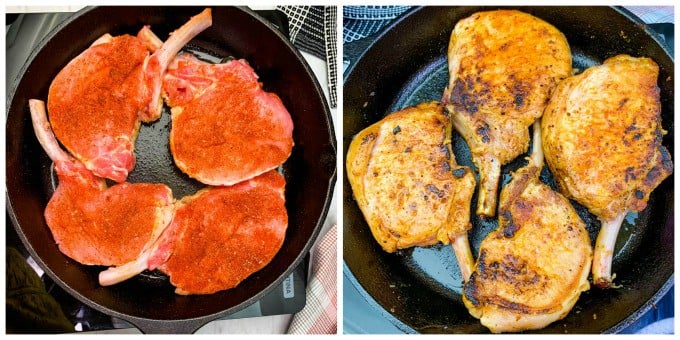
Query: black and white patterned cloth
point(362, 21)
point(313, 30)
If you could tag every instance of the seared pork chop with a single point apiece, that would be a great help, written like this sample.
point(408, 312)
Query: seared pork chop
point(603, 134)
point(225, 127)
point(533, 268)
point(98, 99)
point(407, 184)
point(91, 223)
point(503, 66)
point(217, 238)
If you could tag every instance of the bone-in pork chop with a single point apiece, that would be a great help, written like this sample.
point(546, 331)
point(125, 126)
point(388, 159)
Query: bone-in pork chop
point(97, 101)
point(407, 184)
point(503, 66)
point(217, 238)
point(603, 135)
point(225, 127)
point(533, 268)
point(91, 223)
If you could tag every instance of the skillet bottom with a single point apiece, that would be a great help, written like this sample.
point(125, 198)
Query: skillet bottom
point(435, 267)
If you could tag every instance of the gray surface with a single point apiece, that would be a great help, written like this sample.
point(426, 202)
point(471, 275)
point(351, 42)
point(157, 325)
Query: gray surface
point(26, 30)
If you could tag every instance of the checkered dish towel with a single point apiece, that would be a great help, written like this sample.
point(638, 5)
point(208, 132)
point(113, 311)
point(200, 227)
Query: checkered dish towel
point(313, 30)
point(362, 21)
point(320, 314)
point(652, 14)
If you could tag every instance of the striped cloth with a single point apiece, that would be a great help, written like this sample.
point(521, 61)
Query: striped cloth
point(362, 21)
point(313, 30)
point(653, 14)
point(320, 314)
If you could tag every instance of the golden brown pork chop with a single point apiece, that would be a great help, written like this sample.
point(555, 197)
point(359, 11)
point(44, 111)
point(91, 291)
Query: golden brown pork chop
point(532, 269)
point(603, 134)
point(407, 184)
point(503, 66)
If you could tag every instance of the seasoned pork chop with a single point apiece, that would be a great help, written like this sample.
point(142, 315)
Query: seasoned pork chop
point(503, 66)
point(217, 238)
point(225, 127)
point(533, 268)
point(603, 134)
point(407, 184)
point(91, 223)
point(98, 99)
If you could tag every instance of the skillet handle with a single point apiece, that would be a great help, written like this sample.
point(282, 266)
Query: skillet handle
point(149, 326)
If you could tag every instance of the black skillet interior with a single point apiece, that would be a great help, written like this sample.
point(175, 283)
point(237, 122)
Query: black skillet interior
point(419, 289)
point(148, 301)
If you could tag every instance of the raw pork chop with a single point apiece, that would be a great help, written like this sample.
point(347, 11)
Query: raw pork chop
point(97, 101)
point(218, 237)
point(225, 127)
point(91, 223)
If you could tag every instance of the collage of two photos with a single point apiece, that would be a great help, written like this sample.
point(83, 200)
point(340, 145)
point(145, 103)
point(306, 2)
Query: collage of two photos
point(339, 169)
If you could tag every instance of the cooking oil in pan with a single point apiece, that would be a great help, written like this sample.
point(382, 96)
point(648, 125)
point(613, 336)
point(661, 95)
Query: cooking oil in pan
point(435, 267)
point(630, 236)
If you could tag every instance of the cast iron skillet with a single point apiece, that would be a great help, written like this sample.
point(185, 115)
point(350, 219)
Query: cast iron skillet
point(419, 289)
point(148, 301)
